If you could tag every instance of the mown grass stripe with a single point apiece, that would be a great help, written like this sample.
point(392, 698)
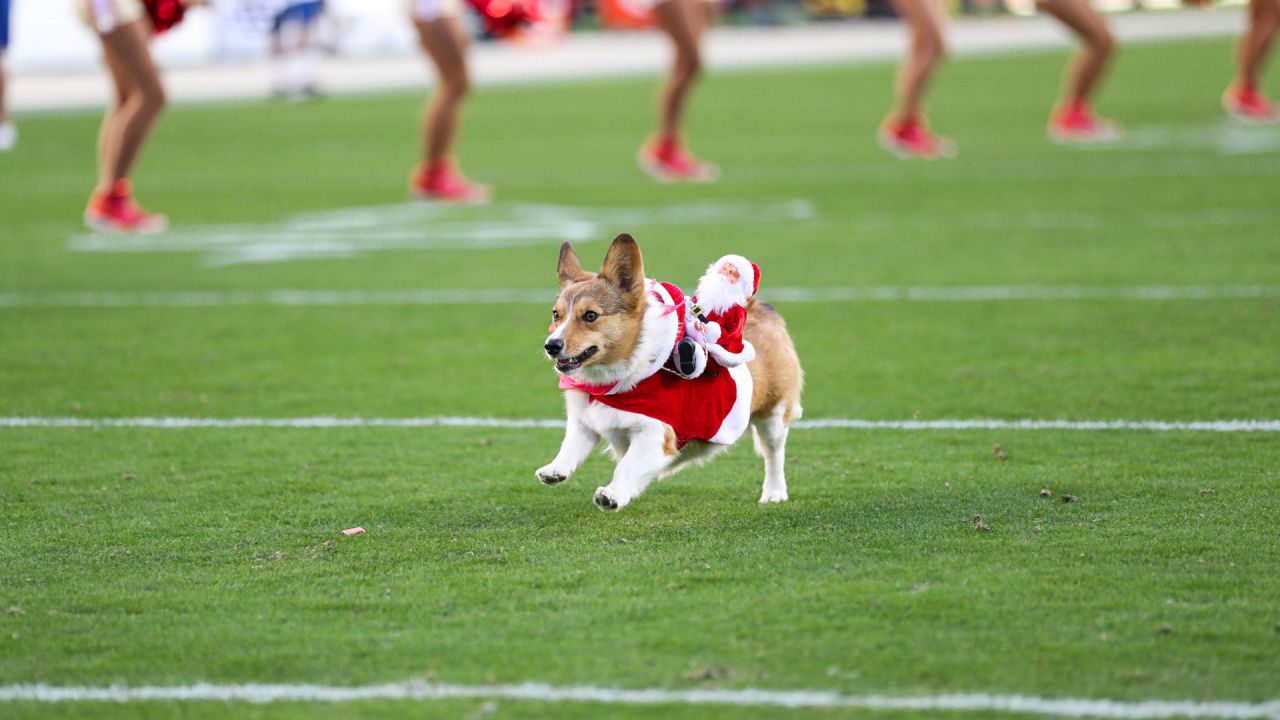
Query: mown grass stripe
point(178, 423)
point(526, 296)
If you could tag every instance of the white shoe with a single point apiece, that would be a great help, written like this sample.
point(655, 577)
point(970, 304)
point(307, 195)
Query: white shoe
point(8, 136)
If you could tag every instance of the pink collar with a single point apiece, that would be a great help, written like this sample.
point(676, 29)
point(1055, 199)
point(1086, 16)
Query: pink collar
point(568, 383)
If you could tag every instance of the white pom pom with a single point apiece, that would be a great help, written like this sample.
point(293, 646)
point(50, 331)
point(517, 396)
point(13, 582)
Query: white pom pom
point(712, 332)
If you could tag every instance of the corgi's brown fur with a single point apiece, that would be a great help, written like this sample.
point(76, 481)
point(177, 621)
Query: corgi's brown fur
point(605, 331)
point(616, 298)
point(776, 369)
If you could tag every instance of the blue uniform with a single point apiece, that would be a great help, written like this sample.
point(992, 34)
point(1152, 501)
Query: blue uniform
point(303, 12)
point(4, 24)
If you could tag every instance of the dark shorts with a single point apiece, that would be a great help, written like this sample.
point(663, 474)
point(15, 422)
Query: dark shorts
point(4, 24)
point(303, 12)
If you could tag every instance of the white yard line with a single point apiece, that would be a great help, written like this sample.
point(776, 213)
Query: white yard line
point(538, 692)
point(988, 424)
point(180, 423)
point(518, 296)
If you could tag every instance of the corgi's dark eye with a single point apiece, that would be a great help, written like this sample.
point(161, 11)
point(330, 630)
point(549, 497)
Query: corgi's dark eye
point(590, 315)
point(555, 316)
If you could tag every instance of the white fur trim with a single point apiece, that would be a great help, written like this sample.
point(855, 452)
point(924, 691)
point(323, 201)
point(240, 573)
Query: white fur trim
point(729, 359)
point(735, 423)
point(664, 332)
point(713, 332)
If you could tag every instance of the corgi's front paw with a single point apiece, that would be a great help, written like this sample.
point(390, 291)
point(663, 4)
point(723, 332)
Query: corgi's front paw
point(607, 499)
point(551, 475)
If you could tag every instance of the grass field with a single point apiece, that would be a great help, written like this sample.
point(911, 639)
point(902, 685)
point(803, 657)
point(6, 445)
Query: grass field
point(173, 556)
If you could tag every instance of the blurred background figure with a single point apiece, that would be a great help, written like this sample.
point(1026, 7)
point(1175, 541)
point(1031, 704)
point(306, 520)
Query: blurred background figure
point(124, 27)
point(527, 22)
point(1244, 100)
point(665, 156)
point(1073, 120)
point(445, 41)
point(8, 132)
point(294, 50)
point(905, 132)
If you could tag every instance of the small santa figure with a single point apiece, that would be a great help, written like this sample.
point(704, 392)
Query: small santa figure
point(716, 316)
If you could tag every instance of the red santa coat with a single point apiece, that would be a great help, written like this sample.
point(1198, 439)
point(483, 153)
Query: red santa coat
point(714, 407)
point(732, 323)
point(725, 306)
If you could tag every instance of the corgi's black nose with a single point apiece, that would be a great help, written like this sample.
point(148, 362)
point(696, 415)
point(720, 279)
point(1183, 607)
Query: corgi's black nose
point(554, 346)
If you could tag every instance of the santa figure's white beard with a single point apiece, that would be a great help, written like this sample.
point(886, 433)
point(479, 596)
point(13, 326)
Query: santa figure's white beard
point(716, 294)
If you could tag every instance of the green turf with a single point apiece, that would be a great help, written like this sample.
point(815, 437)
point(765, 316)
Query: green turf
point(170, 557)
point(468, 710)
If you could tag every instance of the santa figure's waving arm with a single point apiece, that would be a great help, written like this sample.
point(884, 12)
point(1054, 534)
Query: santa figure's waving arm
point(732, 324)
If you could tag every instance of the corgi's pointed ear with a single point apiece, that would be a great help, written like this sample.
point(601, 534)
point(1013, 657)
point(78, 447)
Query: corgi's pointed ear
point(624, 267)
point(569, 270)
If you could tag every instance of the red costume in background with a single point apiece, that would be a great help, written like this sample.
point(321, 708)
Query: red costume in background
point(164, 14)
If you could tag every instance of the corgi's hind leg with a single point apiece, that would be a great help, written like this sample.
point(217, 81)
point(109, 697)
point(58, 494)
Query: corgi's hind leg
point(770, 434)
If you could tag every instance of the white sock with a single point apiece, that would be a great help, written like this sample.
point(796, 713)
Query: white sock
point(8, 136)
point(280, 74)
point(308, 67)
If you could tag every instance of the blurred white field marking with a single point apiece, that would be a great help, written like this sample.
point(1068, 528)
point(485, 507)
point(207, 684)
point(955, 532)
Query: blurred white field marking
point(612, 54)
point(347, 232)
point(182, 423)
point(523, 296)
point(216, 298)
point(747, 697)
point(1225, 138)
point(1202, 217)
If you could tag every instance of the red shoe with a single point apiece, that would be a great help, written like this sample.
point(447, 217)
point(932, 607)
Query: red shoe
point(910, 139)
point(115, 211)
point(1249, 106)
point(1078, 124)
point(667, 161)
point(444, 184)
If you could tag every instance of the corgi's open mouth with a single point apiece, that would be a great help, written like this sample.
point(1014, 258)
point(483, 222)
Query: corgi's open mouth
point(568, 365)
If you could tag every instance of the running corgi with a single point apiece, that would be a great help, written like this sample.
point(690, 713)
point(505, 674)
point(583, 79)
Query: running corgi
point(611, 335)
